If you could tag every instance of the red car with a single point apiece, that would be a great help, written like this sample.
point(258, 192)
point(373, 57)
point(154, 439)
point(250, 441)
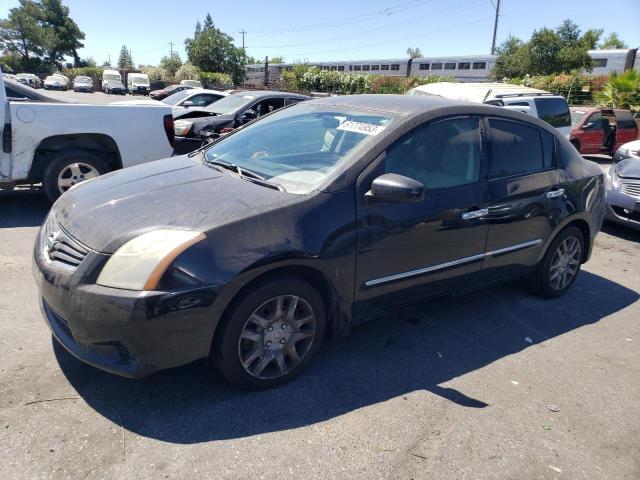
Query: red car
point(601, 130)
point(166, 91)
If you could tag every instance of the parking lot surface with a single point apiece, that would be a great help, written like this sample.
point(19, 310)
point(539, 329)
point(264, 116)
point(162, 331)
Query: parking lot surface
point(96, 98)
point(492, 384)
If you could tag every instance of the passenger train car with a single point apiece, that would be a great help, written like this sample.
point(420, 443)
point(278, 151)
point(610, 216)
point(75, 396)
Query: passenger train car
point(470, 68)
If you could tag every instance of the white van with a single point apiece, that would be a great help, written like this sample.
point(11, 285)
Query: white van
point(549, 107)
point(138, 83)
point(192, 83)
point(110, 76)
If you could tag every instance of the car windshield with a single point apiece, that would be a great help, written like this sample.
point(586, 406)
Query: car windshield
point(139, 80)
point(111, 76)
point(298, 147)
point(177, 97)
point(232, 104)
point(83, 79)
point(576, 117)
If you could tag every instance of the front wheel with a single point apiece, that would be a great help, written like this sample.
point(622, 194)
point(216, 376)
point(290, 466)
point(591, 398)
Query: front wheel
point(70, 168)
point(560, 266)
point(271, 333)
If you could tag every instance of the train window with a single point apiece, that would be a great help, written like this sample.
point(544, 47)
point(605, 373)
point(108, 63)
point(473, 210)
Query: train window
point(464, 66)
point(384, 67)
point(395, 66)
point(341, 68)
point(365, 68)
point(436, 66)
point(599, 62)
point(424, 66)
point(375, 67)
point(350, 68)
point(357, 68)
point(333, 67)
point(449, 66)
point(479, 65)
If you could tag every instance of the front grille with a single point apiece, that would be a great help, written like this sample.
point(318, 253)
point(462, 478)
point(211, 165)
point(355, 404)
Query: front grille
point(60, 247)
point(630, 187)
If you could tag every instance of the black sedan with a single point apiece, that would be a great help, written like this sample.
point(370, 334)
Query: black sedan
point(196, 126)
point(315, 217)
point(114, 87)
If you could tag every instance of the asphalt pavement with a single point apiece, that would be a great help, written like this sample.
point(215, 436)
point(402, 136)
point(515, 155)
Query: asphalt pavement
point(492, 384)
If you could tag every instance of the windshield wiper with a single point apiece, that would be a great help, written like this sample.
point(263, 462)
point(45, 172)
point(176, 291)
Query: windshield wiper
point(246, 174)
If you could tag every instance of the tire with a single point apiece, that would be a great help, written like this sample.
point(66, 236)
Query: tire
point(228, 346)
point(543, 281)
point(64, 161)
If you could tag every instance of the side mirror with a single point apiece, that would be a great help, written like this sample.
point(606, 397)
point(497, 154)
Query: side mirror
point(392, 187)
point(588, 125)
point(249, 115)
point(187, 104)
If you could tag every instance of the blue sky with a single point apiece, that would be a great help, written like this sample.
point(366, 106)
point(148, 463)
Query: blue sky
point(334, 30)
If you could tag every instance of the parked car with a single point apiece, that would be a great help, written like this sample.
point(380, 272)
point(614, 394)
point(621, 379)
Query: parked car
point(58, 144)
point(65, 80)
point(601, 130)
point(623, 191)
point(192, 83)
point(627, 150)
point(110, 76)
point(194, 97)
point(551, 108)
point(54, 83)
point(114, 87)
point(196, 125)
point(312, 218)
point(83, 84)
point(165, 92)
point(138, 83)
point(29, 79)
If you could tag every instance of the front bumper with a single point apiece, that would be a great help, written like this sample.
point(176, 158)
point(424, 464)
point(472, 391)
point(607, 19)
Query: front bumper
point(140, 90)
point(623, 209)
point(132, 334)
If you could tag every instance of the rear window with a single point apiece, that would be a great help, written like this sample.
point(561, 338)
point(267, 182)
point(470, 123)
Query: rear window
point(624, 119)
point(517, 149)
point(554, 111)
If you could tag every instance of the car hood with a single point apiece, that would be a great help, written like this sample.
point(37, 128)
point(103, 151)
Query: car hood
point(140, 102)
point(628, 168)
point(175, 193)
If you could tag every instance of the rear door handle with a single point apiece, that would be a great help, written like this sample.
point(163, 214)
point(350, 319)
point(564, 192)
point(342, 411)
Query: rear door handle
point(555, 193)
point(475, 214)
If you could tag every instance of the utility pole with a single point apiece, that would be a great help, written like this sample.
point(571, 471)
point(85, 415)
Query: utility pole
point(244, 59)
point(495, 28)
point(170, 49)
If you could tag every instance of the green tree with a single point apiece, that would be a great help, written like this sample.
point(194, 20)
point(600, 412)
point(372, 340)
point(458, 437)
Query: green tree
point(170, 64)
point(125, 62)
point(621, 90)
point(612, 41)
point(513, 59)
point(198, 29)
point(214, 51)
point(591, 37)
point(187, 72)
point(64, 37)
point(22, 33)
point(414, 52)
point(276, 59)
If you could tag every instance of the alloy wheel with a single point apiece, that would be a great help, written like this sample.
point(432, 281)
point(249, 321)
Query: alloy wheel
point(565, 263)
point(75, 173)
point(277, 337)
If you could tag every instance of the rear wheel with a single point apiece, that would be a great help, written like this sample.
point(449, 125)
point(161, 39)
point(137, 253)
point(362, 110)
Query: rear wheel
point(70, 168)
point(560, 266)
point(271, 334)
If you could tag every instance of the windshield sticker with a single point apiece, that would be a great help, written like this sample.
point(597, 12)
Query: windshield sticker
point(359, 127)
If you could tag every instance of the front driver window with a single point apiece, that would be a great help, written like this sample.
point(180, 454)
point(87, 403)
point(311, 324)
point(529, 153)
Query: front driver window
point(441, 155)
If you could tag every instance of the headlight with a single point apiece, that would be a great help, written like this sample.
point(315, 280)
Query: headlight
point(140, 263)
point(182, 127)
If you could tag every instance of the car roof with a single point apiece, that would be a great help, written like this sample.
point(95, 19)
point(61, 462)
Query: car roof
point(407, 105)
point(269, 93)
point(194, 91)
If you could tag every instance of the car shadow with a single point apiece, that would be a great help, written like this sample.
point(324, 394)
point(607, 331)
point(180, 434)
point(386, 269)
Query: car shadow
point(418, 348)
point(23, 208)
point(621, 231)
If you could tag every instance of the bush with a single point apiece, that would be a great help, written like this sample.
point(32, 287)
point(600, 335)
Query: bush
point(155, 74)
point(577, 88)
point(215, 78)
point(187, 71)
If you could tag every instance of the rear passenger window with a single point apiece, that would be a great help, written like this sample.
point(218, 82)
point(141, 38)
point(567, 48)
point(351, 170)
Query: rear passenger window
point(517, 149)
point(625, 120)
point(554, 111)
point(442, 155)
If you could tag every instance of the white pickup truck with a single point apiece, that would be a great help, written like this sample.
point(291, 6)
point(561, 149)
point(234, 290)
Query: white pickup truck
point(61, 144)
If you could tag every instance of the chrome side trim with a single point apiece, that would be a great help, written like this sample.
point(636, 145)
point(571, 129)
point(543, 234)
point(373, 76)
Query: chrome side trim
point(413, 273)
point(453, 263)
point(513, 248)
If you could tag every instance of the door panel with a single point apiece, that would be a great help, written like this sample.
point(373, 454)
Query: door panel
point(525, 205)
point(593, 137)
point(410, 251)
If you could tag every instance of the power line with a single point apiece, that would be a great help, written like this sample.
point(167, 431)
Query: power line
point(349, 20)
point(461, 7)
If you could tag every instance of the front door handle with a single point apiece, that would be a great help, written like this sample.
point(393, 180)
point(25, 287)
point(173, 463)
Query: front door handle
point(475, 214)
point(555, 193)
